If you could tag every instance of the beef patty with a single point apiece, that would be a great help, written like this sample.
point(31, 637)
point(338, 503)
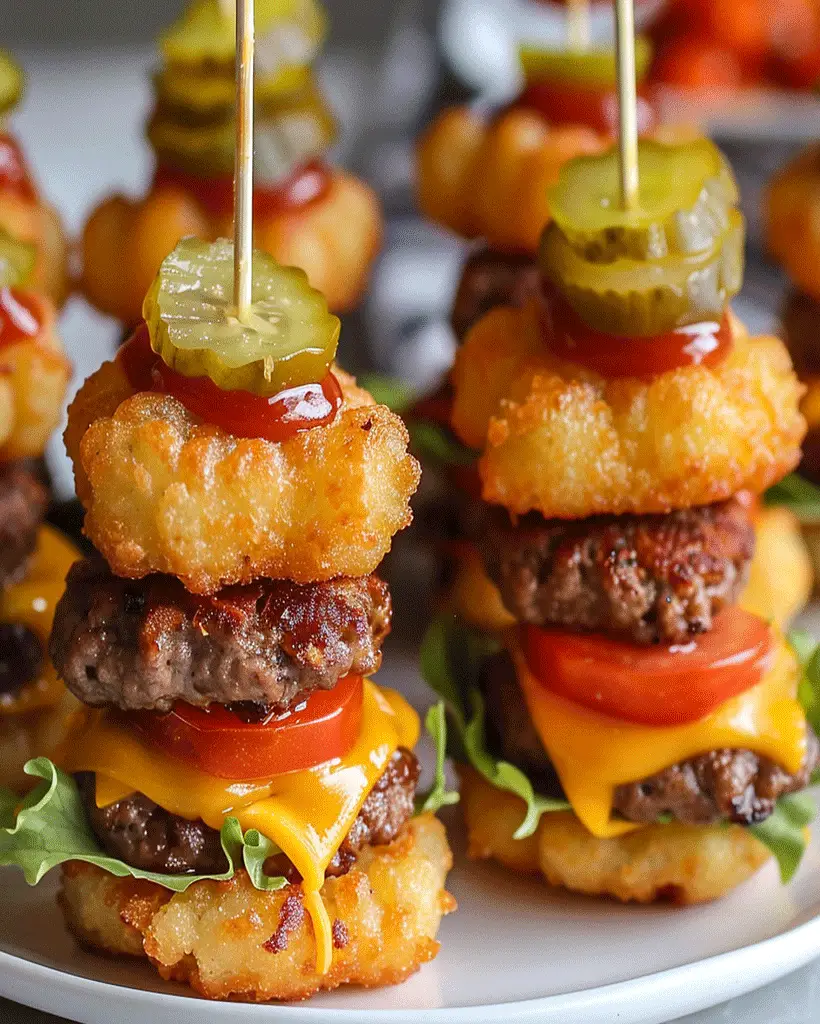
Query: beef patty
point(23, 500)
point(491, 278)
point(653, 578)
point(148, 643)
point(720, 785)
point(139, 832)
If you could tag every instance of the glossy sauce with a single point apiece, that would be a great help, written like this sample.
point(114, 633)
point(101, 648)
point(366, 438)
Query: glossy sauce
point(241, 413)
point(21, 316)
point(14, 176)
point(703, 344)
point(563, 103)
point(304, 186)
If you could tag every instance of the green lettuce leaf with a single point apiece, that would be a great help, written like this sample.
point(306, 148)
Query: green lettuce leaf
point(797, 494)
point(432, 441)
point(782, 831)
point(49, 827)
point(808, 654)
point(390, 391)
point(451, 657)
point(439, 796)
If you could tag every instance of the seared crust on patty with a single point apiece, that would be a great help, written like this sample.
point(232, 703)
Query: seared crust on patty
point(561, 440)
point(144, 644)
point(141, 833)
point(491, 278)
point(167, 493)
point(23, 501)
point(680, 863)
point(655, 578)
point(229, 940)
point(717, 786)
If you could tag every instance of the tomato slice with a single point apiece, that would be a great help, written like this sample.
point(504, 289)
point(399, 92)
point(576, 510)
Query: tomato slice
point(304, 186)
point(14, 175)
point(241, 413)
point(653, 685)
point(564, 103)
point(21, 316)
point(701, 344)
point(217, 742)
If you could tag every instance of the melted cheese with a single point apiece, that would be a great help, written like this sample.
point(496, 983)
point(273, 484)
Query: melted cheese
point(31, 603)
point(307, 814)
point(594, 753)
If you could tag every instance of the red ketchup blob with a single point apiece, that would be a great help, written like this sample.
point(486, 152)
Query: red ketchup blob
point(14, 175)
point(566, 103)
point(241, 413)
point(21, 316)
point(304, 186)
point(702, 344)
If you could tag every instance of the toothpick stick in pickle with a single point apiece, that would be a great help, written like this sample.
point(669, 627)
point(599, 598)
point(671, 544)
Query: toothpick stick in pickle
point(627, 102)
point(243, 172)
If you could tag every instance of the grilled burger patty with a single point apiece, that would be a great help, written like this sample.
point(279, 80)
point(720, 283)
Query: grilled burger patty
point(653, 578)
point(23, 500)
point(139, 832)
point(144, 644)
point(489, 279)
point(720, 785)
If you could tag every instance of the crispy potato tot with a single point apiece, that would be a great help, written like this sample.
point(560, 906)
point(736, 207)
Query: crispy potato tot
point(684, 863)
point(39, 224)
point(166, 493)
point(562, 440)
point(334, 239)
point(229, 940)
point(791, 211)
point(781, 574)
point(490, 179)
point(34, 375)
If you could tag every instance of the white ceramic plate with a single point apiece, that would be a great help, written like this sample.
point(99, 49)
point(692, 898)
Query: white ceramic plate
point(514, 951)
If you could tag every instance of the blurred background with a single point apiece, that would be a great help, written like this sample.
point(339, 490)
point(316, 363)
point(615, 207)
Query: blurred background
point(387, 68)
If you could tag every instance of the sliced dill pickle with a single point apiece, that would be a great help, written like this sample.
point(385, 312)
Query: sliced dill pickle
point(288, 337)
point(589, 69)
point(16, 260)
point(11, 82)
point(287, 32)
point(211, 92)
point(639, 297)
point(686, 195)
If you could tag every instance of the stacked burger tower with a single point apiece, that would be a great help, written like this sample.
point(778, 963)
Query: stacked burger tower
point(629, 728)
point(237, 802)
point(34, 558)
point(308, 213)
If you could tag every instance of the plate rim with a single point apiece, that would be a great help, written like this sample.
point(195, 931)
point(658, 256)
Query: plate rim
point(22, 980)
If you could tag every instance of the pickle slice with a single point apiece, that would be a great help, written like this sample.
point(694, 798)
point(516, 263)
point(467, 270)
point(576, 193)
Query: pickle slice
point(637, 297)
point(211, 93)
point(288, 32)
point(591, 69)
point(686, 194)
point(289, 337)
point(11, 83)
point(16, 260)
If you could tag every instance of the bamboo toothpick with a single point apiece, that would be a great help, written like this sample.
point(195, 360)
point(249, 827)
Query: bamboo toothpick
point(627, 102)
point(243, 167)
point(578, 26)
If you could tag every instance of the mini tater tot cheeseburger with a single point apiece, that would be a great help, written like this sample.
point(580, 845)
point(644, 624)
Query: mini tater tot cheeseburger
point(235, 774)
point(626, 723)
point(24, 214)
point(488, 177)
point(307, 212)
point(34, 558)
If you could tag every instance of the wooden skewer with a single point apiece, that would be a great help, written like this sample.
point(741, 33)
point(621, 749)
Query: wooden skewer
point(627, 102)
point(578, 26)
point(243, 167)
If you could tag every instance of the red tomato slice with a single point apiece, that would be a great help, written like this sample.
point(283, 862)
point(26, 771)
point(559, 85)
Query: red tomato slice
point(563, 103)
point(21, 316)
point(217, 742)
point(241, 413)
point(14, 175)
point(703, 344)
point(305, 185)
point(653, 685)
